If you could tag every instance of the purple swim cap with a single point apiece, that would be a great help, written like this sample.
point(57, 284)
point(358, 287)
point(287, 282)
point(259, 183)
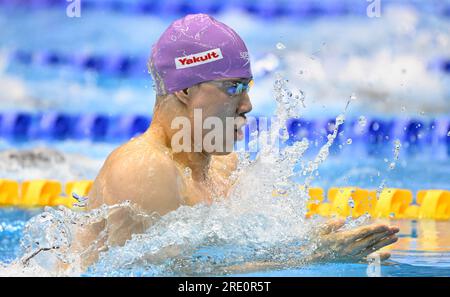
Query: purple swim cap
point(195, 49)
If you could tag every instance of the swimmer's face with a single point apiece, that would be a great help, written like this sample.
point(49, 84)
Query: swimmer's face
point(214, 101)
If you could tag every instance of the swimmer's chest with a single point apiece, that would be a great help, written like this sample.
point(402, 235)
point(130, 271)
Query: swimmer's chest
point(215, 186)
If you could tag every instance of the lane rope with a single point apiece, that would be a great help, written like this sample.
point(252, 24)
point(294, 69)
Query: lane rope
point(263, 9)
point(105, 128)
point(391, 203)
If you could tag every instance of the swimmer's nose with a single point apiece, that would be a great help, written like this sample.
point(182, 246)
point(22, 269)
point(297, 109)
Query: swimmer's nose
point(245, 105)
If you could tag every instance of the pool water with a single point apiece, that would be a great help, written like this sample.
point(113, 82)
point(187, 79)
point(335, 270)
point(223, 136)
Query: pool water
point(328, 59)
point(423, 249)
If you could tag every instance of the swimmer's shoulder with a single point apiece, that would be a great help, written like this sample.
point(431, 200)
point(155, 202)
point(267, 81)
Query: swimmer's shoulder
point(141, 154)
point(143, 173)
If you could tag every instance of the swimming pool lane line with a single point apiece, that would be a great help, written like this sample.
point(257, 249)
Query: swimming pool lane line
point(391, 203)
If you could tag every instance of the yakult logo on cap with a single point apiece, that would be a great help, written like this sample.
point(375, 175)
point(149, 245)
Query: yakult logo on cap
point(198, 59)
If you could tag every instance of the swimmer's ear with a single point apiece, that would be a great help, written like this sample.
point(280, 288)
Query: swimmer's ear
point(183, 96)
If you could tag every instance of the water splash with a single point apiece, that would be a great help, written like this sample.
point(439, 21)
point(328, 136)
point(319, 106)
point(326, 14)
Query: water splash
point(391, 166)
point(280, 46)
point(362, 121)
point(262, 219)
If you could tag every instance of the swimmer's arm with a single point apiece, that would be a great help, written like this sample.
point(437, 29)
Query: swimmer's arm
point(149, 181)
point(258, 266)
point(360, 244)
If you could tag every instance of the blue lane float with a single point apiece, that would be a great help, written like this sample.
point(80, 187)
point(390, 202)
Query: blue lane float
point(441, 129)
point(136, 65)
point(18, 126)
point(91, 126)
point(102, 127)
point(15, 125)
point(51, 125)
point(261, 8)
point(128, 126)
point(117, 64)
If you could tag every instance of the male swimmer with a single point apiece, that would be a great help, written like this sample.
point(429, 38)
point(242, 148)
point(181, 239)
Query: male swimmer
point(202, 64)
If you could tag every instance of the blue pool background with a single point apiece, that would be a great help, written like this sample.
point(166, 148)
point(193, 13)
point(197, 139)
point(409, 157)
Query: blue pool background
point(397, 67)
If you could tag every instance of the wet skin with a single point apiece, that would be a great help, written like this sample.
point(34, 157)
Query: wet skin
point(148, 173)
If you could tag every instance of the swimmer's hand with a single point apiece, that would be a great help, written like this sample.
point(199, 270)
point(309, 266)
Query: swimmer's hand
point(359, 244)
point(333, 245)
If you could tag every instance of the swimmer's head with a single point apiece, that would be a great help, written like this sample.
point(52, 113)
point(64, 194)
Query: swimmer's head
point(195, 49)
point(202, 64)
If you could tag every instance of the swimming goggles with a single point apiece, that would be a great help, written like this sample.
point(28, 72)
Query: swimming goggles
point(233, 88)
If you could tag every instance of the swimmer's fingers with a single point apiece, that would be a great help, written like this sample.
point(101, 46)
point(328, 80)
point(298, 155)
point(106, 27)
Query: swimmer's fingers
point(369, 241)
point(372, 239)
point(371, 253)
point(382, 243)
point(383, 256)
point(365, 231)
point(331, 226)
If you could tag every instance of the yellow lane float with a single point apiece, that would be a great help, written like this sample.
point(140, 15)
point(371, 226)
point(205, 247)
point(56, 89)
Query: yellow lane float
point(38, 193)
point(80, 188)
point(350, 201)
point(392, 203)
point(434, 204)
point(9, 192)
point(315, 199)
